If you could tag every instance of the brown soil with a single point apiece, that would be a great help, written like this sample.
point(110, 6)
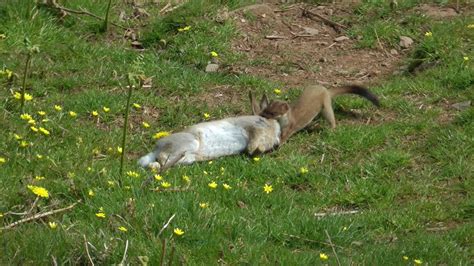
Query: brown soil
point(297, 59)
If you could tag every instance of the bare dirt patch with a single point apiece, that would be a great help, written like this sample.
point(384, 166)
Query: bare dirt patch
point(284, 44)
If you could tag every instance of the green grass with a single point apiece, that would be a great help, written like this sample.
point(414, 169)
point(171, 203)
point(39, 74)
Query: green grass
point(409, 172)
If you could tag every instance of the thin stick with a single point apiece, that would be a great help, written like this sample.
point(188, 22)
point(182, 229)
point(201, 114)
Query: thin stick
point(125, 125)
point(32, 206)
point(327, 21)
point(37, 216)
point(170, 260)
point(23, 87)
point(87, 251)
point(124, 254)
point(167, 223)
point(106, 20)
point(332, 246)
point(163, 252)
point(322, 214)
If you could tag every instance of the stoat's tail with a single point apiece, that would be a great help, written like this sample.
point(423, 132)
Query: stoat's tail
point(146, 160)
point(355, 89)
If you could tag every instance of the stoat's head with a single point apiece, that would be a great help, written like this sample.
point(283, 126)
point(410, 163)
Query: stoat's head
point(277, 110)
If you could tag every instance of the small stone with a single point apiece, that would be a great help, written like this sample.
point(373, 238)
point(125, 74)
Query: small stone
point(243, 20)
point(405, 42)
point(311, 31)
point(393, 52)
point(341, 39)
point(323, 60)
point(211, 67)
point(322, 43)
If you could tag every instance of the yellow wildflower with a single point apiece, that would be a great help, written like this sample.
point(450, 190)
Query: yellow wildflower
point(161, 134)
point(111, 183)
point(184, 29)
point(204, 205)
point(256, 159)
point(210, 162)
point(26, 117)
point(39, 156)
point(165, 184)
point(2, 160)
point(24, 144)
point(52, 225)
point(44, 131)
point(34, 129)
point(89, 169)
point(45, 120)
point(428, 34)
point(158, 177)
point(9, 73)
point(3, 36)
point(212, 185)
point(214, 54)
point(466, 58)
point(133, 174)
point(28, 97)
point(136, 105)
point(405, 257)
point(100, 214)
point(72, 114)
point(38, 177)
point(119, 150)
point(267, 188)
point(226, 186)
point(94, 113)
point(127, 187)
point(58, 108)
point(1, 215)
point(470, 26)
point(91, 193)
point(106, 109)
point(122, 228)
point(323, 256)
point(39, 191)
point(205, 172)
point(206, 115)
point(178, 232)
point(17, 137)
point(42, 113)
point(417, 261)
point(32, 122)
point(145, 125)
point(277, 91)
point(186, 179)
point(304, 170)
point(344, 228)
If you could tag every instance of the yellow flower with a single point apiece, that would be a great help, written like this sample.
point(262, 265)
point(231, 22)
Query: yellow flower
point(184, 29)
point(39, 156)
point(28, 97)
point(119, 150)
point(9, 73)
point(204, 205)
point(214, 54)
point(428, 34)
point(44, 131)
point(470, 26)
point(133, 174)
point(304, 170)
point(38, 177)
point(91, 193)
point(178, 232)
point(405, 257)
point(277, 91)
point(52, 225)
point(267, 188)
point(344, 228)
point(222, 169)
point(94, 113)
point(226, 186)
point(17, 137)
point(42, 113)
point(158, 177)
point(58, 108)
point(206, 115)
point(3, 36)
point(205, 172)
point(210, 162)
point(161, 134)
point(417, 261)
point(26, 117)
point(106, 109)
point(24, 144)
point(2, 160)
point(127, 187)
point(111, 183)
point(165, 184)
point(100, 214)
point(72, 114)
point(136, 105)
point(39, 191)
point(34, 129)
point(256, 159)
point(466, 58)
point(186, 179)
point(101, 209)
point(323, 256)
point(212, 185)
point(145, 125)
point(32, 122)
point(1, 215)
point(122, 228)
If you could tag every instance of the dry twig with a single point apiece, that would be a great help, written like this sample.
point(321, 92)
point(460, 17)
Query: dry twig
point(332, 246)
point(335, 25)
point(124, 254)
point(87, 251)
point(167, 224)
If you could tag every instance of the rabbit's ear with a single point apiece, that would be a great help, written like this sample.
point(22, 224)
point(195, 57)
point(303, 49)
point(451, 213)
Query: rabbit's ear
point(263, 102)
point(253, 103)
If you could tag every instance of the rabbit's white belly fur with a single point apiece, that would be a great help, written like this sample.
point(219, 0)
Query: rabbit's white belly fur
point(220, 138)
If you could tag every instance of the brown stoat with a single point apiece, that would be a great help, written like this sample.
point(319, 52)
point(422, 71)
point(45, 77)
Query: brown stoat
point(313, 100)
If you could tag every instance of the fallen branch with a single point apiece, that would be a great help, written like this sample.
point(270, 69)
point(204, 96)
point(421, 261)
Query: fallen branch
point(331, 23)
point(64, 10)
point(332, 246)
point(38, 216)
point(124, 254)
point(322, 214)
point(275, 37)
point(167, 224)
point(87, 251)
